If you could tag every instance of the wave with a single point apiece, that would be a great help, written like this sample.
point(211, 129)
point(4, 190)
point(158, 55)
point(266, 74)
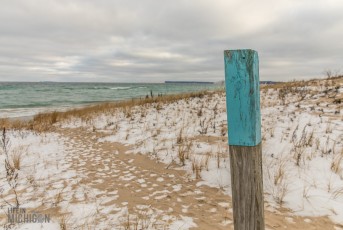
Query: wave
point(122, 88)
point(85, 88)
point(101, 87)
point(27, 106)
point(128, 87)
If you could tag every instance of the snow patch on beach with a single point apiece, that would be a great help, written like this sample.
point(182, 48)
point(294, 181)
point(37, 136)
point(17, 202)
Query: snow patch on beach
point(300, 146)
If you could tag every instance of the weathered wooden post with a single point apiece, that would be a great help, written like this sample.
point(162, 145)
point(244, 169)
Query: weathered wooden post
point(244, 125)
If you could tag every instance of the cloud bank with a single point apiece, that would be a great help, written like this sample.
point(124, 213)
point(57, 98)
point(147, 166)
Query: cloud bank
point(154, 41)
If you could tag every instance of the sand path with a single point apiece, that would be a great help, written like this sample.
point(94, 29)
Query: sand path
point(135, 181)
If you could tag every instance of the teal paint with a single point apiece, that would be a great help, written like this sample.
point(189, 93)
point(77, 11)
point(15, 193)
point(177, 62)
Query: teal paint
point(243, 97)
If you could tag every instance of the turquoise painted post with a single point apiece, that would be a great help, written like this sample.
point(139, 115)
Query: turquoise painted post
point(243, 97)
point(244, 125)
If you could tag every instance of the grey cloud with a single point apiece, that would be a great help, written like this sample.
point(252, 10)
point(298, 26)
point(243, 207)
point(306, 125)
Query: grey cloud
point(153, 41)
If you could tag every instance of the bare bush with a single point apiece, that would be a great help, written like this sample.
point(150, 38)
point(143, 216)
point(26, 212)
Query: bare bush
point(203, 127)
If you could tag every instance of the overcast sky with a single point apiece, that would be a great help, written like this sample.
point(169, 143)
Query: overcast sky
point(156, 40)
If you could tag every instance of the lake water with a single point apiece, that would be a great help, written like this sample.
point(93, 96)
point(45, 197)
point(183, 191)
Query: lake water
point(19, 99)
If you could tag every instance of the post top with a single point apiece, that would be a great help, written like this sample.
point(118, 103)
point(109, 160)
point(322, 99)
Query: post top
point(235, 50)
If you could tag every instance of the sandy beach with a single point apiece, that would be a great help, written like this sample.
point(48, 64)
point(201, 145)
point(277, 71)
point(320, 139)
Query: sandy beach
point(163, 162)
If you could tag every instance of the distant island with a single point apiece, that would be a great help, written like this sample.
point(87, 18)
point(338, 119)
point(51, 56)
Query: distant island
point(190, 82)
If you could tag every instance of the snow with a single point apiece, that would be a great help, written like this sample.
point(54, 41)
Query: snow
point(307, 186)
point(183, 224)
point(45, 226)
point(302, 157)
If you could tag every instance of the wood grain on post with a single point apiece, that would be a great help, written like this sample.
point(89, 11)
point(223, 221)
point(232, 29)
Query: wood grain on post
point(244, 125)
